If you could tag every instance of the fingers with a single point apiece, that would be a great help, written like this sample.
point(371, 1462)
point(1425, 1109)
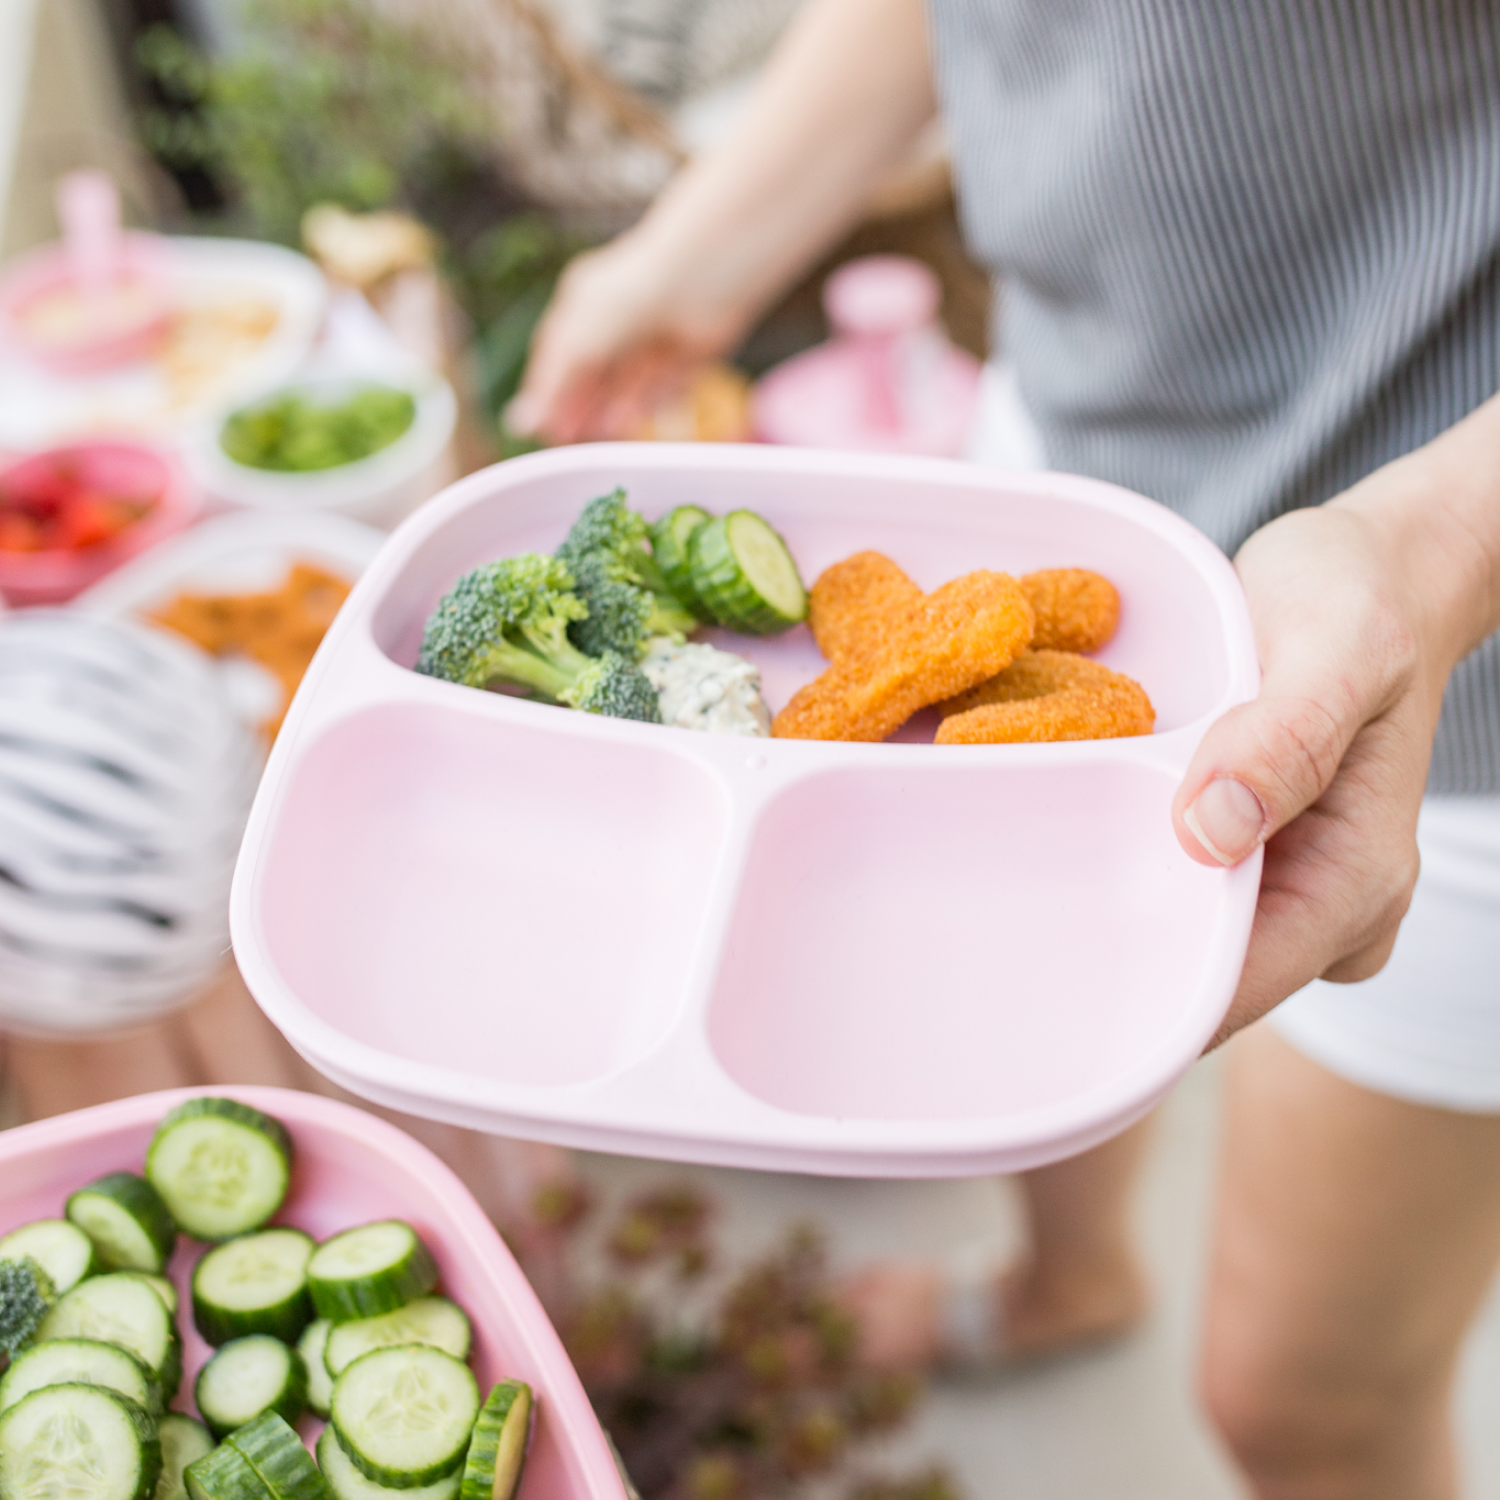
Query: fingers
point(1256, 769)
point(1336, 881)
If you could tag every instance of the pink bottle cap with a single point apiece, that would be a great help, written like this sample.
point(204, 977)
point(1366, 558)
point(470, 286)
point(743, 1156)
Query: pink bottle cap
point(882, 294)
point(888, 380)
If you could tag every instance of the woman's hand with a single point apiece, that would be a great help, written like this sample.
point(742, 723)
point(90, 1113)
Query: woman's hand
point(1362, 607)
point(621, 335)
point(837, 107)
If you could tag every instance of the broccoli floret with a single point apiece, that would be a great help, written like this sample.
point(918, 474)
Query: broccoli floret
point(617, 688)
point(508, 622)
point(629, 602)
point(27, 1295)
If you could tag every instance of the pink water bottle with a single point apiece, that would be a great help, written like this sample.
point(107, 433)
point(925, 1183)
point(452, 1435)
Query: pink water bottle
point(888, 380)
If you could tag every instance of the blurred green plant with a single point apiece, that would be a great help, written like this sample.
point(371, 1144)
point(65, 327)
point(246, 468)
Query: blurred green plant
point(762, 1398)
point(324, 101)
point(504, 281)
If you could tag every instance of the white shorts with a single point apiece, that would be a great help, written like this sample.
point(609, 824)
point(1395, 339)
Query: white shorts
point(1427, 1027)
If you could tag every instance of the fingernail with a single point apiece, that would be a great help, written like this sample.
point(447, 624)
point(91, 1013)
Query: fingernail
point(1226, 817)
point(520, 416)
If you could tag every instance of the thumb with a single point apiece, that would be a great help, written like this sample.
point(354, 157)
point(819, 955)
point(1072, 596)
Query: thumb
point(1257, 768)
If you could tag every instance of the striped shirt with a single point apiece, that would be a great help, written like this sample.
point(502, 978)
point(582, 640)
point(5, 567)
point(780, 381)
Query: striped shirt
point(1250, 249)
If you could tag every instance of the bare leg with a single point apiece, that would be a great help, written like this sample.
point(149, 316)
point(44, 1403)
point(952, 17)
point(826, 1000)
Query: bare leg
point(1356, 1237)
point(1080, 1280)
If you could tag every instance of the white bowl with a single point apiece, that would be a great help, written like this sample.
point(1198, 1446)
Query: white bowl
point(380, 489)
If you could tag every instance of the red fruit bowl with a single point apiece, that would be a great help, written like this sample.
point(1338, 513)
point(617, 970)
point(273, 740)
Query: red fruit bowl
point(69, 515)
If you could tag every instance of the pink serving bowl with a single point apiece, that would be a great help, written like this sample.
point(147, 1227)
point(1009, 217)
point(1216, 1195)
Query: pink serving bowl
point(144, 259)
point(55, 576)
point(349, 1168)
point(902, 959)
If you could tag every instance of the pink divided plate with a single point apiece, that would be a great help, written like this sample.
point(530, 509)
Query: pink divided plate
point(349, 1168)
point(884, 960)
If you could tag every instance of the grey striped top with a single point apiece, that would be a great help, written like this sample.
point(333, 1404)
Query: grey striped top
point(1250, 248)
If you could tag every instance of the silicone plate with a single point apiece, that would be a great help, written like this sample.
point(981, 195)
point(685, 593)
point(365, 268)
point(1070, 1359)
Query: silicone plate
point(350, 1168)
point(887, 960)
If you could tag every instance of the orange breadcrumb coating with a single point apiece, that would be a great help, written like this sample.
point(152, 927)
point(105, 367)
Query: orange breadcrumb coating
point(1076, 610)
point(1048, 695)
point(280, 628)
point(925, 650)
point(851, 600)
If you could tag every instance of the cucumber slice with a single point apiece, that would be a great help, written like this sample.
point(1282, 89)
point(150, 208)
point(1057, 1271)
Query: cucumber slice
point(224, 1474)
point(434, 1321)
point(183, 1442)
point(370, 1270)
point(161, 1286)
point(255, 1284)
point(61, 1249)
point(497, 1450)
point(83, 1440)
point(276, 1453)
point(671, 537)
point(310, 1346)
point(221, 1167)
point(745, 576)
point(347, 1483)
point(127, 1221)
point(79, 1362)
point(246, 1377)
point(404, 1415)
point(121, 1309)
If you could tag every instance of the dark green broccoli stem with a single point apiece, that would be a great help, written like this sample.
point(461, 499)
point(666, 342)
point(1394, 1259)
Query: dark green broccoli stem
point(26, 1297)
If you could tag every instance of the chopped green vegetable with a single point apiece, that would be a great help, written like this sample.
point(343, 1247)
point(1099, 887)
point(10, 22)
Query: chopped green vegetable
point(608, 554)
point(508, 622)
point(293, 433)
point(26, 1297)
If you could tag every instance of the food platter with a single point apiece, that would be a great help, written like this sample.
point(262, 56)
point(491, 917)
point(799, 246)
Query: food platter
point(350, 1169)
point(893, 959)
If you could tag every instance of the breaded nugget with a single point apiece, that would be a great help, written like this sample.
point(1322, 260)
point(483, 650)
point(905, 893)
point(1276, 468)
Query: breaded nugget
point(926, 650)
point(1076, 610)
point(851, 601)
point(280, 628)
point(1048, 695)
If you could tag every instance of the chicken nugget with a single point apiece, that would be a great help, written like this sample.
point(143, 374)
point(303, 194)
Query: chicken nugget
point(1048, 695)
point(932, 648)
point(1076, 610)
point(852, 601)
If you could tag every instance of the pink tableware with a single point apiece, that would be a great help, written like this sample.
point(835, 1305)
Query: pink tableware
point(95, 299)
point(349, 1168)
point(114, 468)
point(888, 380)
point(890, 960)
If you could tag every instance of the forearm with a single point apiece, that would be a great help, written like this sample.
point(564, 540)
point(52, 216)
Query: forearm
point(841, 100)
point(1439, 510)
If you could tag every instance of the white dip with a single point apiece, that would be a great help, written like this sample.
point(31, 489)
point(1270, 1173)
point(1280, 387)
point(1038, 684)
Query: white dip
point(702, 687)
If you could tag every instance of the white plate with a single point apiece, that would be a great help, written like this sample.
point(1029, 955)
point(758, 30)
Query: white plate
point(230, 554)
point(38, 408)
